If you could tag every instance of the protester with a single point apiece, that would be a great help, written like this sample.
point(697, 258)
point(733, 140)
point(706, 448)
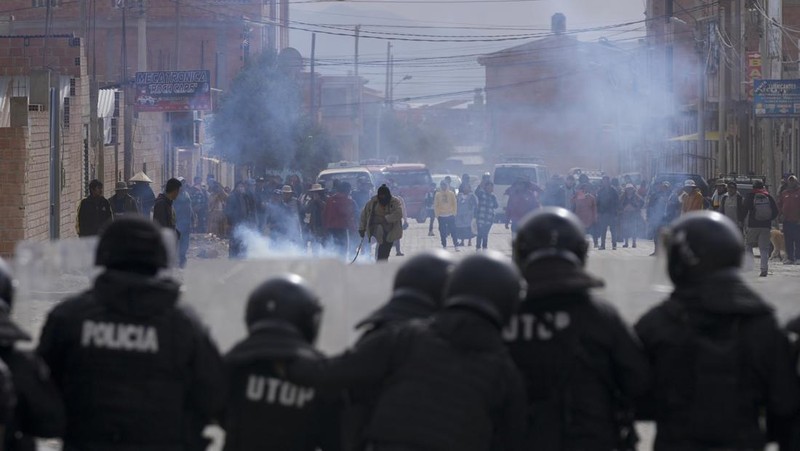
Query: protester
point(585, 207)
point(122, 203)
point(94, 211)
point(339, 218)
point(143, 193)
point(445, 206)
point(382, 219)
point(761, 209)
point(789, 205)
point(467, 204)
point(691, 198)
point(484, 217)
point(523, 198)
point(607, 210)
point(630, 214)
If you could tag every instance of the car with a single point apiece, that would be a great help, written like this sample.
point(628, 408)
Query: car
point(344, 172)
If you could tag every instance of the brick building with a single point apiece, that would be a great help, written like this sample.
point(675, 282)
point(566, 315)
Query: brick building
point(567, 102)
point(734, 42)
point(26, 175)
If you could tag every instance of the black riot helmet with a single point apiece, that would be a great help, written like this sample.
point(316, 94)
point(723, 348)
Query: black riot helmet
point(700, 243)
point(426, 273)
point(6, 283)
point(487, 283)
point(550, 232)
point(132, 244)
point(286, 298)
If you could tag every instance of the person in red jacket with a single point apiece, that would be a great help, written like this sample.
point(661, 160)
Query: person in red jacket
point(523, 198)
point(789, 205)
point(339, 218)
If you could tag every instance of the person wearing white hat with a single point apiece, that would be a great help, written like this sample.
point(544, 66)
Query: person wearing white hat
point(122, 203)
point(143, 193)
point(691, 198)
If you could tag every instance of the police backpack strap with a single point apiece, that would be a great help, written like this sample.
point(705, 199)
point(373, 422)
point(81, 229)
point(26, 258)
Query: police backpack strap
point(624, 415)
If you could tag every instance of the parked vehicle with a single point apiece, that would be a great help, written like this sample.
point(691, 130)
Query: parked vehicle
point(413, 182)
point(505, 174)
point(344, 172)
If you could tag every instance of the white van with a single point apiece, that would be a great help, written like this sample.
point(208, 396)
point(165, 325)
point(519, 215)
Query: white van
point(343, 172)
point(505, 174)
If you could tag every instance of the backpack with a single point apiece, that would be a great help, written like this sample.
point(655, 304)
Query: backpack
point(762, 209)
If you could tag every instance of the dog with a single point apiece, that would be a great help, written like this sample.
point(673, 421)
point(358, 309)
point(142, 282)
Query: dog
point(778, 244)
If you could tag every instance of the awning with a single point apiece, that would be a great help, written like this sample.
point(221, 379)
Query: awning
point(710, 136)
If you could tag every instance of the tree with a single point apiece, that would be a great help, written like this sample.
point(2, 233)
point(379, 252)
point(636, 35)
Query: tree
point(261, 123)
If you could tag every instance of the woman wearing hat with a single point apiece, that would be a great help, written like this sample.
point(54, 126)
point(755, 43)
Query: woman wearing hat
point(141, 191)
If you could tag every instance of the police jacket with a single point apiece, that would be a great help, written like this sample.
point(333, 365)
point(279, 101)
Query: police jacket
point(446, 384)
point(404, 305)
point(265, 410)
point(580, 362)
point(135, 370)
point(720, 361)
point(39, 411)
point(93, 214)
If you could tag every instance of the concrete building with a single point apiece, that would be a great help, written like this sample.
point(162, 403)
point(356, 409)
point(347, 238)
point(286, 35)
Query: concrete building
point(567, 102)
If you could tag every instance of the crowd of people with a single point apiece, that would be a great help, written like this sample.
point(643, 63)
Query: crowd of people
point(485, 353)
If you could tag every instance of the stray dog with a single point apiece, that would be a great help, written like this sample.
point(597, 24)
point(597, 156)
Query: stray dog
point(778, 244)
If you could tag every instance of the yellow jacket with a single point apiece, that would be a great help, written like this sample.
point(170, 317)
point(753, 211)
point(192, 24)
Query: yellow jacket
point(444, 203)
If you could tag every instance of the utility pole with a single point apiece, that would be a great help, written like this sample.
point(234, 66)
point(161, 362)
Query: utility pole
point(701, 96)
point(313, 83)
point(358, 87)
point(722, 153)
point(766, 123)
point(382, 107)
point(141, 27)
point(177, 35)
point(127, 159)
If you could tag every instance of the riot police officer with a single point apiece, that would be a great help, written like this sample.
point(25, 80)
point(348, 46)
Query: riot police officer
point(722, 362)
point(582, 365)
point(446, 383)
point(39, 411)
point(136, 371)
point(265, 410)
point(418, 293)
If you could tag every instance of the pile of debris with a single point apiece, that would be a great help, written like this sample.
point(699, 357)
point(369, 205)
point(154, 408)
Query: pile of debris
point(207, 246)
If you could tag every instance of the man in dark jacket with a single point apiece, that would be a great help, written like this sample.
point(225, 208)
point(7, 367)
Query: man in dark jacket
point(135, 370)
point(265, 410)
point(761, 209)
point(184, 217)
point(447, 383)
point(607, 211)
point(722, 363)
point(163, 211)
point(123, 203)
point(39, 410)
point(199, 195)
point(94, 212)
point(582, 365)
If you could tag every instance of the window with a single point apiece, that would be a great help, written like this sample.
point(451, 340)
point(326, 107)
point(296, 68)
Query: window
point(127, 4)
point(408, 178)
point(43, 3)
point(507, 176)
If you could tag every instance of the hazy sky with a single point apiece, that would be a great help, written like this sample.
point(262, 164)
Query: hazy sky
point(458, 70)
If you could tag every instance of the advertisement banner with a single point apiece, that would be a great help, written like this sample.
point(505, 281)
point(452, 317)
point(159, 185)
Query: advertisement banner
point(173, 91)
point(776, 98)
point(754, 71)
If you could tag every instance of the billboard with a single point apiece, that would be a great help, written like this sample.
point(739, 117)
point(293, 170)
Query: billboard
point(183, 90)
point(754, 72)
point(776, 98)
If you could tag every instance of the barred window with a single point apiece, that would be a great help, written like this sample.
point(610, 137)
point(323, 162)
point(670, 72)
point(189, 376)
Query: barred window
point(43, 3)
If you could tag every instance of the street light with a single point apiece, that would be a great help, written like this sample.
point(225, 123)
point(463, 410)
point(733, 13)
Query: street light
point(391, 92)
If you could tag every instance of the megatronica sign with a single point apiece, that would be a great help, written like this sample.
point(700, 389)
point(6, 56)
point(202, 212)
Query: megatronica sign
point(183, 90)
point(776, 98)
